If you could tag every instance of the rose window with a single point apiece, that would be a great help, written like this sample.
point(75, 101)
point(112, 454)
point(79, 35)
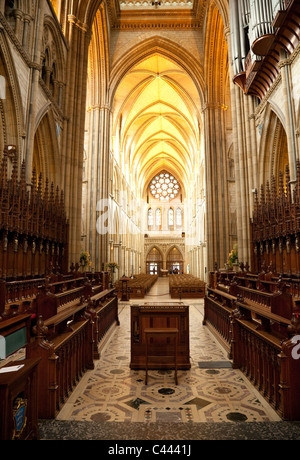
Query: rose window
point(164, 187)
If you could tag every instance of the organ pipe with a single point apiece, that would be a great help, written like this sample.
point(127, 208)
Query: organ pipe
point(250, 20)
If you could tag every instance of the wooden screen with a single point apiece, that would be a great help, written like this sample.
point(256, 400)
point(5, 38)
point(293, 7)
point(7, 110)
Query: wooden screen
point(33, 224)
point(276, 227)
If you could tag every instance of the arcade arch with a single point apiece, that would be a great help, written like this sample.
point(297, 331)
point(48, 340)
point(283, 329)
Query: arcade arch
point(148, 104)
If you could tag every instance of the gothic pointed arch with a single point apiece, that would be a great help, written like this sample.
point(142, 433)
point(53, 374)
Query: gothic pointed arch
point(154, 261)
point(274, 147)
point(11, 110)
point(148, 130)
point(45, 154)
point(175, 260)
point(53, 61)
point(98, 64)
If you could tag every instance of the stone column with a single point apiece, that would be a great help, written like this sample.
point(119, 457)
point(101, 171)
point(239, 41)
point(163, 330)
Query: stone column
point(79, 36)
point(27, 20)
point(289, 110)
point(243, 169)
point(110, 251)
point(99, 205)
point(127, 261)
point(18, 14)
point(119, 260)
point(131, 268)
point(123, 269)
point(33, 87)
point(216, 180)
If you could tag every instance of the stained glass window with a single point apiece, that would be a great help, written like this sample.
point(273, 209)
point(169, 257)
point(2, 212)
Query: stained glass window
point(179, 217)
point(171, 217)
point(150, 217)
point(158, 217)
point(164, 187)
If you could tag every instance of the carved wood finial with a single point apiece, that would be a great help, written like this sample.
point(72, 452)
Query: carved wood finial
point(40, 330)
point(294, 327)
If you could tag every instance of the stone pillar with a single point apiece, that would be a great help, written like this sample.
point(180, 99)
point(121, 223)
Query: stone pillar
point(18, 15)
point(127, 261)
point(289, 110)
point(119, 260)
point(123, 269)
point(79, 36)
point(131, 268)
point(110, 251)
point(27, 20)
point(216, 180)
point(33, 87)
point(242, 110)
point(99, 202)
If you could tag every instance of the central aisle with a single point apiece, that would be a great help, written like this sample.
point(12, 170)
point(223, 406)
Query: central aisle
point(112, 392)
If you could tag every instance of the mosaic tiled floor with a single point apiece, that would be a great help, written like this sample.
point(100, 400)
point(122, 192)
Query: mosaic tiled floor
point(112, 392)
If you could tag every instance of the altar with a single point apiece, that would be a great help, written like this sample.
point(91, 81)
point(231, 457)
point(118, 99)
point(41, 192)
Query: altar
point(161, 317)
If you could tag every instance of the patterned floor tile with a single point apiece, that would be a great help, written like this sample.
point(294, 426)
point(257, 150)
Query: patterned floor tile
point(112, 392)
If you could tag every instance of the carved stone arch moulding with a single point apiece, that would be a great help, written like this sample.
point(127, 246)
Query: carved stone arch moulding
point(273, 143)
point(157, 247)
point(53, 43)
point(216, 56)
point(223, 7)
point(175, 246)
point(47, 143)
point(13, 128)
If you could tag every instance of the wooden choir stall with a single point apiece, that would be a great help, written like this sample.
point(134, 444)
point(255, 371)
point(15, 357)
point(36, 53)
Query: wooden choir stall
point(59, 317)
point(19, 401)
point(256, 313)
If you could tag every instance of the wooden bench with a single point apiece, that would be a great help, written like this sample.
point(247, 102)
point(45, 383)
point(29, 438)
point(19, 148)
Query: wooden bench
point(186, 286)
point(138, 287)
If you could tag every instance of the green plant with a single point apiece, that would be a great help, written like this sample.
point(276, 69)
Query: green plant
point(85, 259)
point(112, 265)
point(233, 256)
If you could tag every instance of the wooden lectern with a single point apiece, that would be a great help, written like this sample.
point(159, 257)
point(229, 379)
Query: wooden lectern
point(159, 320)
point(125, 296)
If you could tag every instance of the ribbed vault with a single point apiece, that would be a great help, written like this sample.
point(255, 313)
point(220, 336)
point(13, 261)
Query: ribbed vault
point(156, 120)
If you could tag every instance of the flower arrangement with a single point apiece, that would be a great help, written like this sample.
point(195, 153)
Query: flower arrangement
point(112, 266)
point(233, 256)
point(85, 260)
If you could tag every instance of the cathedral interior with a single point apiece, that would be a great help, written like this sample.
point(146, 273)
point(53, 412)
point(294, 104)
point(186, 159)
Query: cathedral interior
point(150, 160)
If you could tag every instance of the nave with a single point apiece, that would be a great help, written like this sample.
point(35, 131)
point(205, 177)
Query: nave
point(212, 401)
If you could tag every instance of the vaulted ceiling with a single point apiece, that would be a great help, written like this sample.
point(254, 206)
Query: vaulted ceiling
point(156, 119)
point(155, 87)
